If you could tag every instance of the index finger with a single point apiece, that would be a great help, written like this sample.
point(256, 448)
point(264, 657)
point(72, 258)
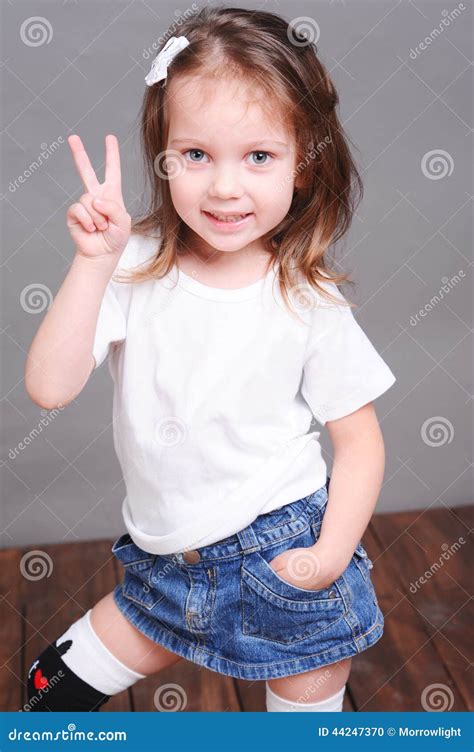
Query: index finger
point(113, 175)
point(84, 167)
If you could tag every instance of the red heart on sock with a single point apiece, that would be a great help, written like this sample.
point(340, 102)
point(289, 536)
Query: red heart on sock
point(40, 681)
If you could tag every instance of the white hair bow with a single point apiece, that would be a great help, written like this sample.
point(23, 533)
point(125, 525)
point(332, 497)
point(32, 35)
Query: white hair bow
point(160, 64)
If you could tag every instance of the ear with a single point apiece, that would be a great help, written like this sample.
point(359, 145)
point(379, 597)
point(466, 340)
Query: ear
point(298, 182)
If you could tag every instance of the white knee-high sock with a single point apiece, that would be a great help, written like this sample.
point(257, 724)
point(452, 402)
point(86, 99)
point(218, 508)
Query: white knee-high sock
point(93, 662)
point(275, 703)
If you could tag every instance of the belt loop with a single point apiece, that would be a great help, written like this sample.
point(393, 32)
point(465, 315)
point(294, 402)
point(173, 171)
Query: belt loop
point(248, 540)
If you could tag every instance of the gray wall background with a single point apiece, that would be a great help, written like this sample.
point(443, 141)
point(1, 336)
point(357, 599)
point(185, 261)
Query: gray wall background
point(407, 109)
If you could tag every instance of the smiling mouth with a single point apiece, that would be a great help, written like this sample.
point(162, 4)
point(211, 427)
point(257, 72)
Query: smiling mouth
point(228, 217)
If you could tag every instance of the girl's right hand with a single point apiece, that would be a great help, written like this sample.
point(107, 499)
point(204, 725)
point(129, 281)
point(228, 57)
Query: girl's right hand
point(99, 223)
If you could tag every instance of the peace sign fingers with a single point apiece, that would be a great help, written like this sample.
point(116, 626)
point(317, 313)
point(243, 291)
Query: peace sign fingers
point(84, 167)
point(112, 164)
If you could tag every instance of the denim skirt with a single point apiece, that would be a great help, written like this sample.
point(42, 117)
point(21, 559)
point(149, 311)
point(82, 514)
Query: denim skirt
point(229, 611)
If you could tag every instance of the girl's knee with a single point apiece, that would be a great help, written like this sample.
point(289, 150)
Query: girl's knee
point(126, 642)
point(313, 686)
point(333, 703)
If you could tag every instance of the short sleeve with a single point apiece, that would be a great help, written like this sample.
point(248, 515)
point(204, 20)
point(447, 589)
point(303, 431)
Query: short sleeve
point(112, 320)
point(342, 370)
point(111, 325)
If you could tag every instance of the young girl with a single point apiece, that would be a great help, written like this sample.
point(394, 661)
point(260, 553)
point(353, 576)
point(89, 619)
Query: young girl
point(225, 334)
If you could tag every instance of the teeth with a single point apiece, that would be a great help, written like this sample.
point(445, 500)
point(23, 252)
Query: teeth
point(228, 218)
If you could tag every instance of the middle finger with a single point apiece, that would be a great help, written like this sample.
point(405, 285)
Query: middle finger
point(112, 162)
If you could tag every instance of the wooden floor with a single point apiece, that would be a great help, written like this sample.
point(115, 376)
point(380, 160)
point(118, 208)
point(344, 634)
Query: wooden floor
point(427, 639)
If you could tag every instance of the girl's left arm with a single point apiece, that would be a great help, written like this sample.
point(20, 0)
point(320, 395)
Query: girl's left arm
point(356, 480)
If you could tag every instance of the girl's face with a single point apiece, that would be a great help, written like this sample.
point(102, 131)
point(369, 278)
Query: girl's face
point(230, 160)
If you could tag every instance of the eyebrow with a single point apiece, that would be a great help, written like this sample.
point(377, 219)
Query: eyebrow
point(243, 146)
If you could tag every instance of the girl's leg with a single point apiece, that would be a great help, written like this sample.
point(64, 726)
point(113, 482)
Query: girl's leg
point(98, 656)
point(127, 643)
point(319, 690)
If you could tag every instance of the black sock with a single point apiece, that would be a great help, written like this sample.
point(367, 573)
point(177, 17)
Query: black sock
point(52, 686)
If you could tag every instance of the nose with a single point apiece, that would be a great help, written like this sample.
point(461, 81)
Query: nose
point(226, 183)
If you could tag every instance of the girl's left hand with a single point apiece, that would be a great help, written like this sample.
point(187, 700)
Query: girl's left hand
point(304, 568)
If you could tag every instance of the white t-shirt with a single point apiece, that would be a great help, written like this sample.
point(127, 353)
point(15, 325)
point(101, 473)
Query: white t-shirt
point(214, 394)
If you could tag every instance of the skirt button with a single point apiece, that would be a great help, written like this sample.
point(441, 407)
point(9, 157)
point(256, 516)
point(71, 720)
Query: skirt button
point(192, 557)
point(332, 594)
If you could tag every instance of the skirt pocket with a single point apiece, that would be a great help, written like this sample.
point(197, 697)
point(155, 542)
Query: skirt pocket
point(138, 589)
point(364, 597)
point(274, 609)
point(137, 585)
point(363, 563)
point(130, 555)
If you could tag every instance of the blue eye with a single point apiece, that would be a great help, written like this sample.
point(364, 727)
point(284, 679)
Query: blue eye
point(194, 150)
point(262, 152)
point(200, 151)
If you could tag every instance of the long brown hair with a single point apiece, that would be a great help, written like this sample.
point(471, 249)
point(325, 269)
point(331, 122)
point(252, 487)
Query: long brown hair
point(260, 48)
